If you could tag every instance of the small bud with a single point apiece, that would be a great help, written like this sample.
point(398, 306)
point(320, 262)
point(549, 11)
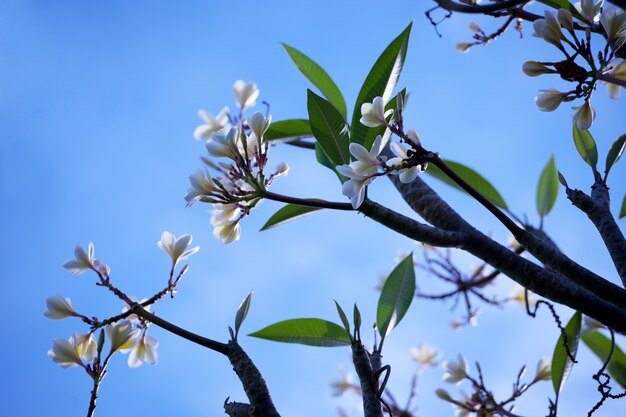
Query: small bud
point(584, 116)
point(474, 27)
point(564, 17)
point(534, 68)
point(463, 47)
point(544, 372)
point(443, 394)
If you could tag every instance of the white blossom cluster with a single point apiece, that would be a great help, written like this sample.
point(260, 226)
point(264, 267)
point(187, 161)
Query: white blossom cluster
point(241, 180)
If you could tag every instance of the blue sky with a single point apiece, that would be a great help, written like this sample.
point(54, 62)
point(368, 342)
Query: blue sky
point(98, 104)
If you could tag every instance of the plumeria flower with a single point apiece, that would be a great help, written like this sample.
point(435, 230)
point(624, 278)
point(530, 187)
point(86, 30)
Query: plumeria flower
point(59, 307)
point(202, 187)
point(144, 351)
point(455, 371)
point(228, 231)
point(373, 114)
point(519, 295)
point(175, 247)
point(464, 407)
point(408, 174)
point(544, 371)
point(584, 116)
point(616, 68)
point(425, 355)
point(281, 169)
point(589, 10)
point(84, 260)
point(122, 335)
point(211, 124)
point(549, 100)
point(245, 94)
point(133, 318)
point(549, 29)
point(259, 124)
point(102, 268)
point(614, 23)
point(225, 145)
point(361, 172)
point(534, 68)
point(564, 17)
point(72, 352)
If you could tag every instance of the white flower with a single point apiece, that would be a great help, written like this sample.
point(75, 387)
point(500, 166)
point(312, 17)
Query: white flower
point(584, 116)
point(83, 262)
point(59, 307)
point(72, 352)
point(373, 114)
point(245, 94)
point(614, 23)
point(534, 68)
point(175, 247)
point(133, 318)
point(101, 267)
point(467, 409)
point(281, 169)
point(228, 231)
point(455, 371)
point(202, 187)
point(589, 10)
point(412, 137)
point(409, 174)
point(616, 68)
point(224, 145)
point(223, 213)
point(259, 124)
point(549, 100)
point(211, 124)
point(549, 29)
point(144, 351)
point(361, 172)
point(519, 295)
point(475, 27)
point(564, 17)
point(122, 335)
point(425, 355)
point(544, 372)
point(463, 46)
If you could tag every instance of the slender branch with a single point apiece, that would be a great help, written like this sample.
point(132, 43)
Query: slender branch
point(307, 202)
point(369, 382)
point(611, 79)
point(597, 209)
point(94, 396)
point(474, 9)
point(299, 143)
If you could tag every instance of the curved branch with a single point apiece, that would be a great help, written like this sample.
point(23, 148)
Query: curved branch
point(476, 9)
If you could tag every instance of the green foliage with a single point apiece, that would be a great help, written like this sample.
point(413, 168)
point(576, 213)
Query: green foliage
point(381, 81)
point(562, 4)
point(585, 145)
point(343, 317)
point(356, 318)
point(320, 78)
point(616, 151)
point(471, 177)
point(622, 212)
point(287, 213)
point(396, 296)
point(329, 129)
point(548, 188)
point(242, 312)
point(561, 362)
point(289, 130)
point(601, 346)
point(311, 332)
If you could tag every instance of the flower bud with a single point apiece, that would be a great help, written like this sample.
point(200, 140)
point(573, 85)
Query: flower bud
point(544, 372)
point(534, 68)
point(463, 46)
point(584, 116)
point(443, 394)
point(59, 307)
point(549, 100)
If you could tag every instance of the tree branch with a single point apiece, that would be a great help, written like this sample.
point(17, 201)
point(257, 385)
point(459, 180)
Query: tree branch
point(369, 381)
point(476, 9)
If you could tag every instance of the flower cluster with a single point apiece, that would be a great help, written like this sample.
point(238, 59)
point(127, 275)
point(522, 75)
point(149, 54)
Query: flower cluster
point(369, 164)
point(580, 64)
point(241, 180)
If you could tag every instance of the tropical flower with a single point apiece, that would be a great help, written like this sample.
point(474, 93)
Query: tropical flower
point(616, 68)
point(84, 260)
point(564, 17)
point(72, 352)
point(544, 372)
point(228, 231)
point(175, 247)
point(589, 10)
point(584, 116)
point(202, 187)
point(224, 145)
point(373, 114)
point(549, 100)
point(425, 355)
point(408, 174)
point(463, 46)
point(122, 335)
point(361, 172)
point(519, 295)
point(144, 351)
point(464, 406)
point(281, 169)
point(549, 29)
point(245, 94)
point(211, 124)
point(614, 23)
point(59, 307)
point(455, 371)
point(534, 68)
point(259, 124)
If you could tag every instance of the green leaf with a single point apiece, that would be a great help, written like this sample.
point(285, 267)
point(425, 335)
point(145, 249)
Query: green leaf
point(548, 188)
point(381, 81)
point(343, 317)
point(311, 332)
point(601, 346)
point(616, 151)
point(324, 161)
point(396, 296)
point(289, 130)
point(585, 145)
point(373, 132)
point(329, 129)
point(356, 318)
point(561, 362)
point(320, 78)
point(242, 312)
point(563, 4)
point(287, 213)
point(622, 212)
point(471, 177)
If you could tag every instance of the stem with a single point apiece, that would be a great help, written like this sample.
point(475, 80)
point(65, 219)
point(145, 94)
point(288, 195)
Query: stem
point(94, 396)
point(611, 79)
point(307, 202)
